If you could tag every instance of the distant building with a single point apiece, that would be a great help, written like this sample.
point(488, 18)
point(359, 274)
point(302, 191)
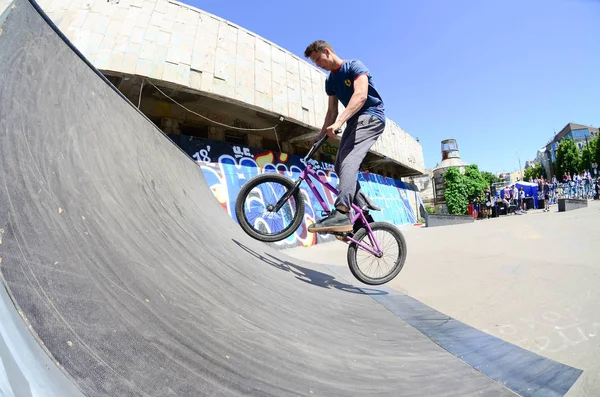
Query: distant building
point(530, 163)
point(425, 185)
point(505, 176)
point(516, 176)
point(581, 134)
point(450, 158)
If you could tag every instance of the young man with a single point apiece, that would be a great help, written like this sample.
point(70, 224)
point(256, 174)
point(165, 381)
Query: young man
point(351, 83)
point(488, 202)
point(546, 196)
point(522, 199)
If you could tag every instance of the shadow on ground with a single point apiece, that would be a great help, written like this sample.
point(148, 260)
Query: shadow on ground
point(309, 276)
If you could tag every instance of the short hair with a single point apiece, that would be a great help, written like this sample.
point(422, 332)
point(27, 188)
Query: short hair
point(317, 46)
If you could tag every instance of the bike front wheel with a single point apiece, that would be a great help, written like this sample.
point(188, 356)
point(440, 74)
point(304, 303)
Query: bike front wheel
point(255, 208)
point(369, 268)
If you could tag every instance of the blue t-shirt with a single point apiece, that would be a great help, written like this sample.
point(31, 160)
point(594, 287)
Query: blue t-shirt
point(341, 84)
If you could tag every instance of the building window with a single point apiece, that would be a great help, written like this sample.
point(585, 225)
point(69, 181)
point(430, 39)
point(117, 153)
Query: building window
point(236, 138)
point(197, 131)
point(270, 144)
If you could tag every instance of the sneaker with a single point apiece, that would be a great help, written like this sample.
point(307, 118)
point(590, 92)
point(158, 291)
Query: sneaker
point(335, 222)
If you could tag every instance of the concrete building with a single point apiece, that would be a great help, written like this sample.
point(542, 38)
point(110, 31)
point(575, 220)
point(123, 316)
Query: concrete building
point(581, 134)
point(450, 158)
point(424, 184)
point(530, 163)
point(195, 74)
point(238, 104)
point(516, 176)
point(505, 176)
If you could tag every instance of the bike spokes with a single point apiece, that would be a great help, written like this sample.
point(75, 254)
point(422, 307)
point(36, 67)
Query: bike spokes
point(260, 208)
point(374, 266)
point(370, 265)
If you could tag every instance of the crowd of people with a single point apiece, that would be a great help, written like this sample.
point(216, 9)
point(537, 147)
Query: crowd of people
point(513, 197)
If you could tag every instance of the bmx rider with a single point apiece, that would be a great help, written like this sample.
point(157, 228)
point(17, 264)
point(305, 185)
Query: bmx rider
point(351, 83)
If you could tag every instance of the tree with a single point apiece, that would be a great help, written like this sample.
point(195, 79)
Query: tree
point(587, 155)
point(596, 150)
point(534, 172)
point(475, 182)
point(461, 189)
point(490, 178)
point(455, 191)
point(567, 157)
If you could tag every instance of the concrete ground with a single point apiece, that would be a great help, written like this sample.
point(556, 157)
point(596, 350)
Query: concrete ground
point(532, 280)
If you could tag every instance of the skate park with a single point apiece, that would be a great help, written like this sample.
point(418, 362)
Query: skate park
point(122, 275)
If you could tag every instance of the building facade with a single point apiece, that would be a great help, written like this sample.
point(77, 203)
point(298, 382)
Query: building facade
point(198, 74)
point(580, 134)
point(224, 92)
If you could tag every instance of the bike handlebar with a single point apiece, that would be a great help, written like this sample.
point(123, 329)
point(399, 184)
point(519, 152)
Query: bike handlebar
point(320, 142)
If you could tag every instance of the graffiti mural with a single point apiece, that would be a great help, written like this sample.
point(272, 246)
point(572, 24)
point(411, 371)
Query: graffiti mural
point(227, 167)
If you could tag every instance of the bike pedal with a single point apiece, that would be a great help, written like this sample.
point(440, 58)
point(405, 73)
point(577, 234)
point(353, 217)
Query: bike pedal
point(342, 235)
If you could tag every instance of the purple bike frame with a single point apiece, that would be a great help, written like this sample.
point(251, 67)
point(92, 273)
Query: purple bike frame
point(308, 171)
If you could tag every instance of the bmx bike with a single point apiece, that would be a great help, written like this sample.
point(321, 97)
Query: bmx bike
point(376, 250)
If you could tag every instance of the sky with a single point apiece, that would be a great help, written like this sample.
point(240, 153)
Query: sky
point(500, 77)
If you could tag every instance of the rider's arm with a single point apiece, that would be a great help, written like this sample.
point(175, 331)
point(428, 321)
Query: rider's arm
point(332, 113)
point(361, 88)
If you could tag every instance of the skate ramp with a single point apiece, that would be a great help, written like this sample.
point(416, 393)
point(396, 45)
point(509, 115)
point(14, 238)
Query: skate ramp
point(122, 275)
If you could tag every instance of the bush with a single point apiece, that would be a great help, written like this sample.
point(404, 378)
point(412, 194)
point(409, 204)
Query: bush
point(456, 192)
point(463, 189)
point(475, 182)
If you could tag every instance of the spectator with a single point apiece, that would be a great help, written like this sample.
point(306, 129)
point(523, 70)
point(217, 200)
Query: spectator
point(488, 203)
point(547, 197)
point(522, 199)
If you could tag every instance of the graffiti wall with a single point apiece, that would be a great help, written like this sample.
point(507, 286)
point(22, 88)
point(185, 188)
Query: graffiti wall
point(227, 167)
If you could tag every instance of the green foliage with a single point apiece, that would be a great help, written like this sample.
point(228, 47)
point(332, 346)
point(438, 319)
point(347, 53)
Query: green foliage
point(456, 191)
point(534, 172)
point(429, 209)
point(567, 157)
point(587, 155)
point(462, 189)
point(490, 178)
point(476, 183)
point(596, 149)
point(593, 148)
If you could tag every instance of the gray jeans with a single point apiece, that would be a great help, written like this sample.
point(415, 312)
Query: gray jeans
point(356, 141)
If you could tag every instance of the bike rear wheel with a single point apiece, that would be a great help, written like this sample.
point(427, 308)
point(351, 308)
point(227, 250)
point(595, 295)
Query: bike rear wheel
point(367, 267)
point(254, 208)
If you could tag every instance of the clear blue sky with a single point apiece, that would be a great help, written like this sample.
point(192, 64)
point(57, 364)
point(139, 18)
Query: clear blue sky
point(499, 76)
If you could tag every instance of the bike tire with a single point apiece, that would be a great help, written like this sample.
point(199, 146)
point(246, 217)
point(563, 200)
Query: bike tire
point(354, 249)
point(244, 195)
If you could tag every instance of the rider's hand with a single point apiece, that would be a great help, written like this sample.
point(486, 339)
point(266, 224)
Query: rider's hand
point(333, 128)
point(317, 137)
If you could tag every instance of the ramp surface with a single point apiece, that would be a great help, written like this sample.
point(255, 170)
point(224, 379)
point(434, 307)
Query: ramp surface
point(137, 283)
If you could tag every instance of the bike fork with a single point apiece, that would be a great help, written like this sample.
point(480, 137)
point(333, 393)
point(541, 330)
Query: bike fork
point(287, 195)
